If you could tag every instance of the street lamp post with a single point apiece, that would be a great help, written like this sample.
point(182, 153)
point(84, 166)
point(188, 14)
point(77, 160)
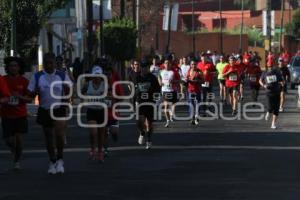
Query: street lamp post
point(221, 27)
point(242, 28)
point(101, 35)
point(193, 27)
point(13, 33)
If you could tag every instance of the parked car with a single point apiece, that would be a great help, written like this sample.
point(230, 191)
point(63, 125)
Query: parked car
point(294, 67)
point(298, 97)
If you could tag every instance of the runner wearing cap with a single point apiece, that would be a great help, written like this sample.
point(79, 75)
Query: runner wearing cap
point(95, 114)
point(40, 84)
point(208, 71)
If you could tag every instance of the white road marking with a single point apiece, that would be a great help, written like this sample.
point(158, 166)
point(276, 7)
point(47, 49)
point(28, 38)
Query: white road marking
point(170, 147)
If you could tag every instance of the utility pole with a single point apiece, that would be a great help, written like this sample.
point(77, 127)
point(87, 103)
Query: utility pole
point(138, 43)
point(90, 31)
point(193, 27)
point(13, 31)
point(242, 28)
point(134, 11)
point(122, 8)
point(221, 27)
point(169, 28)
point(281, 24)
point(269, 22)
point(101, 36)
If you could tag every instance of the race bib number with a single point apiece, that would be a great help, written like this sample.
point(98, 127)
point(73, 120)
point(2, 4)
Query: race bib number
point(108, 102)
point(144, 87)
point(13, 101)
point(271, 79)
point(206, 84)
point(233, 77)
point(253, 78)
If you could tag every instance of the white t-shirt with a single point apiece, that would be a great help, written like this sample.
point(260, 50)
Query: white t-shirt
point(167, 76)
point(44, 84)
point(154, 69)
point(184, 71)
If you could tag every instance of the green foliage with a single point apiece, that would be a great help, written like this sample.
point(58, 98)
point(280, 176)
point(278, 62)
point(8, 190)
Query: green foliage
point(293, 28)
point(31, 16)
point(120, 39)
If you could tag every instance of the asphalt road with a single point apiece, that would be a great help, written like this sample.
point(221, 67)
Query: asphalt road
point(218, 159)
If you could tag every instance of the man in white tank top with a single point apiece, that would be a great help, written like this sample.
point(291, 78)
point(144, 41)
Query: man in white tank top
point(168, 79)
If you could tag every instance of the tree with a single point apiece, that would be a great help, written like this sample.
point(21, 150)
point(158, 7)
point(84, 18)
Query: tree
point(120, 39)
point(293, 28)
point(31, 16)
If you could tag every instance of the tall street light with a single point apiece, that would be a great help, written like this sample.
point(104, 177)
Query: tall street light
point(221, 27)
point(13, 31)
point(242, 28)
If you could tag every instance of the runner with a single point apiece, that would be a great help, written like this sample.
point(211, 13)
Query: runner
point(195, 79)
point(184, 68)
point(242, 69)
point(272, 81)
point(208, 70)
point(169, 80)
point(53, 129)
point(95, 114)
point(286, 78)
point(147, 86)
point(132, 77)
point(14, 113)
point(232, 75)
point(154, 69)
point(270, 60)
point(254, 73)
point(220, 67)
point(112, 127)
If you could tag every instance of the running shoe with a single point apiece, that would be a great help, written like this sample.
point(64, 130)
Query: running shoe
point(196, 121)
point(234, 113)
point(60, 167)
point(106, 152)
point(171, 118)
point(148, 145)
point(52, 168)
point(281, 109)
point(141, 140)
point(17, 166)
point(267, 117)
point(92, 155)
point(273, 126)
point(167, 124)
point(100, 157)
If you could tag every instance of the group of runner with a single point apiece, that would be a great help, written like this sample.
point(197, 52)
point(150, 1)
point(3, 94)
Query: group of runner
point(162, 82)
point(194, 81)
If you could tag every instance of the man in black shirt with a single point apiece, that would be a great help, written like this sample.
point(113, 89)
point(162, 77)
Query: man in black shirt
point(273, 82)
point(146, 87)
point(286, 78)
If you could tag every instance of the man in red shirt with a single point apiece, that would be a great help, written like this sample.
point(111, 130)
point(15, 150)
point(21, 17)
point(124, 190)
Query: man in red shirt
point(254, 72)
point(194, 79)
point(270, 60)
point(208, 70)
point(232, 75)
point(286, 57)
point(246, 58)
point(14, 114)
